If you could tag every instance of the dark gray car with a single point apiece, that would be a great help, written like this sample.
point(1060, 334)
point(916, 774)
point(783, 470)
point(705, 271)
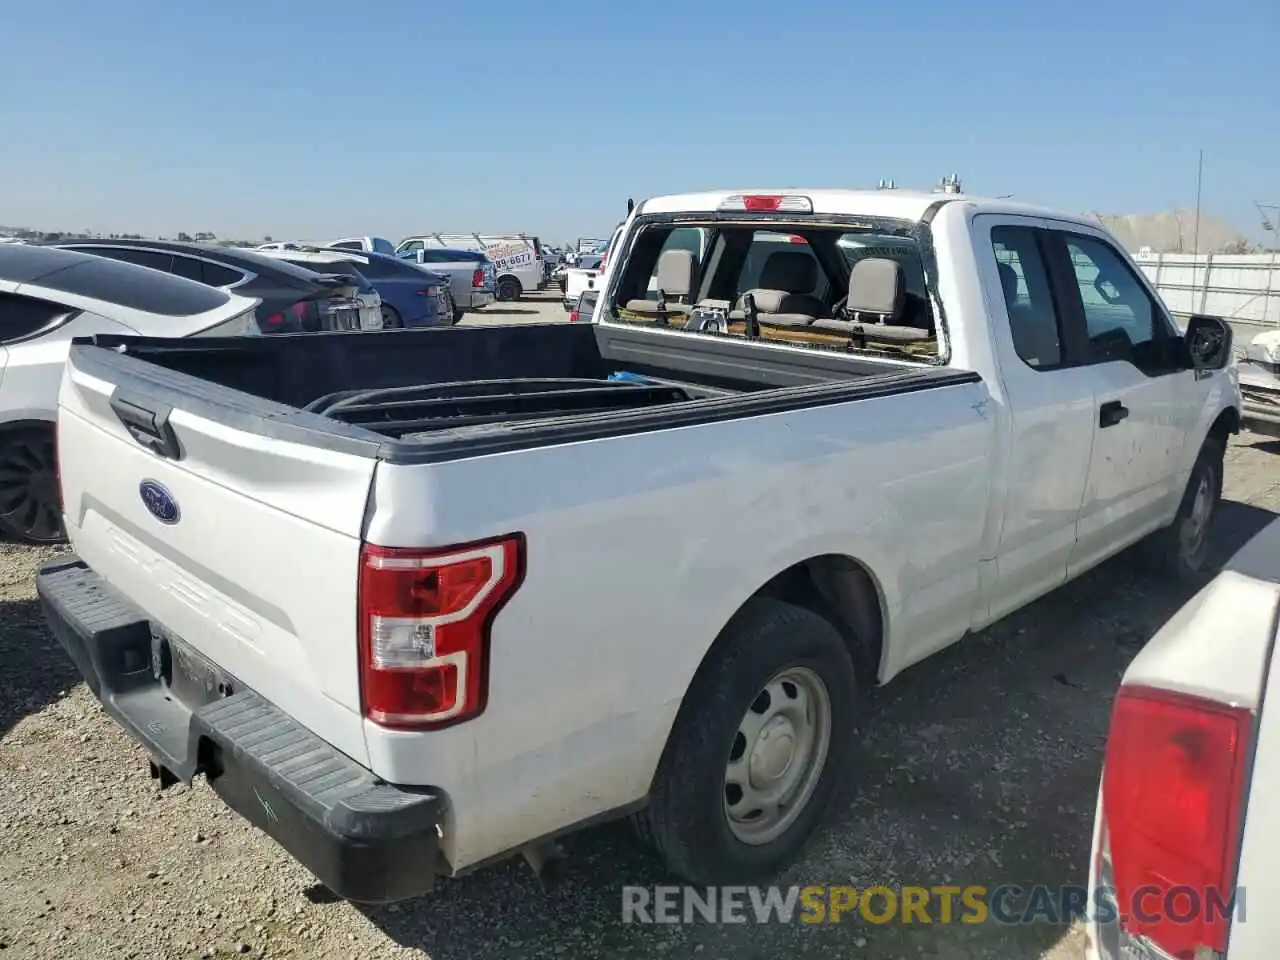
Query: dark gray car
point(294, 299)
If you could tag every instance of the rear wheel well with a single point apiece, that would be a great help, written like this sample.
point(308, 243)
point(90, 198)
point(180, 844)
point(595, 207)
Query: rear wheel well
point(842, 591)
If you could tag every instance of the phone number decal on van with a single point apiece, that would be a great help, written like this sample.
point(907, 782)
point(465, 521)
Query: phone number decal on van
point(510, 256)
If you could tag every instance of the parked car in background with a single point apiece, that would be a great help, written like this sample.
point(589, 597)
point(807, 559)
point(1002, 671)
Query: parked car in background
point(1184, 824)
point(409, 295)
point(48, 296)
point(335, 264)
point(585, 307)
point(364, 244)
point(1259, 370)
point(471, 275)
point(291, 299)
point(516, 258)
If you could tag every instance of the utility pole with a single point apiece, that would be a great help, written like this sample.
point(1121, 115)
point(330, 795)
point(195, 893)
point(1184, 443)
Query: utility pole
point(1195, 241)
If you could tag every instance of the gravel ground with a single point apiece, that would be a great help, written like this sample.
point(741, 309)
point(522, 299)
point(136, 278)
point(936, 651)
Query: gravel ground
point(977, 766)
point(534, 308)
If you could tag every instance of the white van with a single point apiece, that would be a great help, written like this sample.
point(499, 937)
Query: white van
point(516, 257)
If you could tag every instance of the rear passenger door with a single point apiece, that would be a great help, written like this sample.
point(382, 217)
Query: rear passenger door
point(1144, 392)
point(1048, 398)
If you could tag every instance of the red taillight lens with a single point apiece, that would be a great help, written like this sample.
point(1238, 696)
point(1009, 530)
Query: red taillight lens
point(573, 316)
point(1172, 799)
point(477, 278)
point(425, 617)
point(273, 321)
point(761, 202)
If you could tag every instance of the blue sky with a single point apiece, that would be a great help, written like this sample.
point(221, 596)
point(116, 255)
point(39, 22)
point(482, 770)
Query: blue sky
point(319, 118)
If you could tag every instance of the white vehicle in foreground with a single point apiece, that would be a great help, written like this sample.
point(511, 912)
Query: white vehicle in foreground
point(1185, 840)
point(48, 296)
point(420, 600)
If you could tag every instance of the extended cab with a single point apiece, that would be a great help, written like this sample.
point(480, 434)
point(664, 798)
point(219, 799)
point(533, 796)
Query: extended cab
point(418, 600)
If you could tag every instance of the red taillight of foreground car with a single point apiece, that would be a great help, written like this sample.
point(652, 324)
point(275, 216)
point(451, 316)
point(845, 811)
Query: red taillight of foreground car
point(1173, 801)
point(425, 618)
point(477, 278)
point(279, 322)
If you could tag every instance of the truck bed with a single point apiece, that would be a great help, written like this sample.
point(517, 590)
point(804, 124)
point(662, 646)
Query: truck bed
point(417, 396)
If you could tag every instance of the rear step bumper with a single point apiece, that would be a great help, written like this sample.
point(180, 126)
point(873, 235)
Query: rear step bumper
point(366, 840)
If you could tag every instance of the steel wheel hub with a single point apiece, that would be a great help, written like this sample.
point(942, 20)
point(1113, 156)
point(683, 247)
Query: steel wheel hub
point(774, 750)
point(777, 756)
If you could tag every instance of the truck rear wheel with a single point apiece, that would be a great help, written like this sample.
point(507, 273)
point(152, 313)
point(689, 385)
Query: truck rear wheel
point(761, 745)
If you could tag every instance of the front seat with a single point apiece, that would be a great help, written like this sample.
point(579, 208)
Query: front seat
point(677, 277)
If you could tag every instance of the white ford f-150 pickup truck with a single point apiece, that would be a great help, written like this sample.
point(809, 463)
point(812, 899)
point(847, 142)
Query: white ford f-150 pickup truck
point(413, 601)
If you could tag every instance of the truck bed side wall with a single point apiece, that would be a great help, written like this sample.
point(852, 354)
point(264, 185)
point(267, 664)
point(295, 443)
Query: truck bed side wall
point(640, 548)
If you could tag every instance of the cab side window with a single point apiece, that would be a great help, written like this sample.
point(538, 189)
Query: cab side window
point(1028, 297)
point(1122, 320)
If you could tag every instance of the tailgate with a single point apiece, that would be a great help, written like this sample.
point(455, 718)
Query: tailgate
point(243, 545)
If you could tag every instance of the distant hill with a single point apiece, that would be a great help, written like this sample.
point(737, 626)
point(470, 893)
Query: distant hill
point(1174, 231)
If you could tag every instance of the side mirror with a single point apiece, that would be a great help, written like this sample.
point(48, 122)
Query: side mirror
point(1208, 342)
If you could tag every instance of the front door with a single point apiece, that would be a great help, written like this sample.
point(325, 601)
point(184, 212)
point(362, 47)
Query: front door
point(1143, 397)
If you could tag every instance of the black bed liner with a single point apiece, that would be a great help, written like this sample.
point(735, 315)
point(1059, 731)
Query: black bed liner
point(449, 393)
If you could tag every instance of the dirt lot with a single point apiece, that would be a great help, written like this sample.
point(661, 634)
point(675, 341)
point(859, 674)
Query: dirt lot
point(978, 766)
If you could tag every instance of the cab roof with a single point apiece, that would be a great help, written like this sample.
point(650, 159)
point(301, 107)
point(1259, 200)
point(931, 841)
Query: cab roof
point(893, 204)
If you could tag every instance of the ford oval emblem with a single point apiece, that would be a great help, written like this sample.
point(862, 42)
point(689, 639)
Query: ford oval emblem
point(159, 501)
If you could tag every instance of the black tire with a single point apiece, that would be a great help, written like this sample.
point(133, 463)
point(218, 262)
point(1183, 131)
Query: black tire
point(509, 289)
point(391, 319)
point(1180, 549)
point(30, 510)
point(687, 820)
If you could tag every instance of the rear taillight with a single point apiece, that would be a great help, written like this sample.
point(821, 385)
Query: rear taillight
point(1173, 800)
point(425, 618)
point(477, 278)
point(298, 312)
point(428, 292)
point(573, 315)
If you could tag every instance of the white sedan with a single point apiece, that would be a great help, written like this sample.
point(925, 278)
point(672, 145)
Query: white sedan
point(47, 297)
